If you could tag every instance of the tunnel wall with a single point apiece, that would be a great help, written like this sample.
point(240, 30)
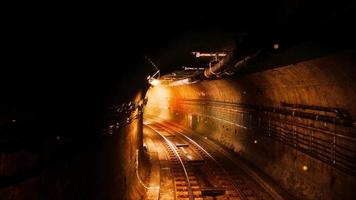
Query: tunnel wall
point(100, 168)
point(295, 123)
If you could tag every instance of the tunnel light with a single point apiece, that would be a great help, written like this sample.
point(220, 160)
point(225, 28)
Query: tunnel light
point(255, 141)
point(189, 157)
point(199, 54)
point(193, 68)
point(182, 82)
point(305, 168)
point(154, 82)
point(275, 46)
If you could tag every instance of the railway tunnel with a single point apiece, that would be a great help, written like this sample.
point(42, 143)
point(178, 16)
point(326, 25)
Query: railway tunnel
point(277, 120)
point(209, 104)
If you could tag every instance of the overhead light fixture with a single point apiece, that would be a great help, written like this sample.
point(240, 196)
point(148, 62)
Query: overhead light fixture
point(275, 46)
point(154, 79)
point(193, 68)
point(154, 82)
point(199, 54)
point(185, 81)
point(305, 168)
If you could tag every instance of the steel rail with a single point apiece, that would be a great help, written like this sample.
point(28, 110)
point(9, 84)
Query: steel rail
point(243, 196)
point(191, 196)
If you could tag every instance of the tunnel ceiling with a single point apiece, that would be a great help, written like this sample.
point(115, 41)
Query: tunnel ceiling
point(82, 61)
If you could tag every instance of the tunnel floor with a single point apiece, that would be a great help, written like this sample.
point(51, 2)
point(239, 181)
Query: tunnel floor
point(185, 165)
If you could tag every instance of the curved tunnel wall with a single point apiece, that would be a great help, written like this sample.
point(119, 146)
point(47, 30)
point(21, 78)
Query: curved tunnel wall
point(294, 122)
point(102, 169)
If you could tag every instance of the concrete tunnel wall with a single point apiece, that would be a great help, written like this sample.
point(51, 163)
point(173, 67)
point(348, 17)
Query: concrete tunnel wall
point(295, 123)
point(105, 169)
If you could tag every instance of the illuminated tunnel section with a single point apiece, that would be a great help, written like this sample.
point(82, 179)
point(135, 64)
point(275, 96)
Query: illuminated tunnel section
point(294, 123)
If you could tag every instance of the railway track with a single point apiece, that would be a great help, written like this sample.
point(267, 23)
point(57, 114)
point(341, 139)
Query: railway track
point(185, 181)
point(216, 170)
point(224, 174)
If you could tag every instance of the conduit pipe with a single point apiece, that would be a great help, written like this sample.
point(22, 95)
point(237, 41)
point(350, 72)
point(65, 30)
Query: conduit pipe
point(223, 67)
point(218, 67)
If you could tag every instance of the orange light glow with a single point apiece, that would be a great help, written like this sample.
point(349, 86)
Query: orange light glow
point(154, 82)
point(305, 168)
point(158, 102)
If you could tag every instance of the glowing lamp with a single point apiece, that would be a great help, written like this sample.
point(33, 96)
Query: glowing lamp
point(154, 82)
point(305, 168)
point(275, 46)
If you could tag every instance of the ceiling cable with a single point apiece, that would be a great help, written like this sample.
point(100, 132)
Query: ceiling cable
point(154, 65)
